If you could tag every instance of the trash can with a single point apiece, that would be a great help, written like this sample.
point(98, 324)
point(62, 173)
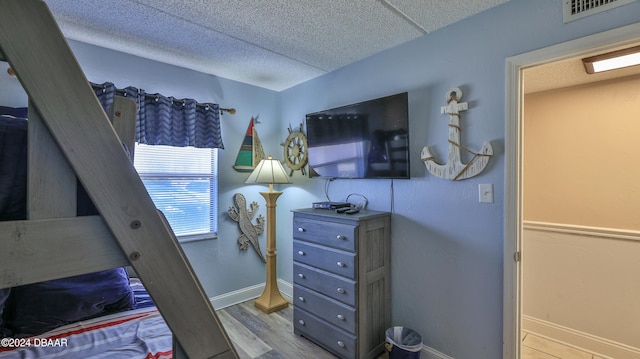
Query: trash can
point(403, 343)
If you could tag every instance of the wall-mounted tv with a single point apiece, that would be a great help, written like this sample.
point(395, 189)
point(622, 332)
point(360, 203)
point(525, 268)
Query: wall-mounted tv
point(364, 140)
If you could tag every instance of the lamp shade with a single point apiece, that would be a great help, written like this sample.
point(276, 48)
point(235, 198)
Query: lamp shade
point(269, 171)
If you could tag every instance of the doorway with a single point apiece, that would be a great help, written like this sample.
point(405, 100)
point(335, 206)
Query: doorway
point(515, 67)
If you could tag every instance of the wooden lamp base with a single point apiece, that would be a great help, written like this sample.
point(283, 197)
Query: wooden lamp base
point(271, 300)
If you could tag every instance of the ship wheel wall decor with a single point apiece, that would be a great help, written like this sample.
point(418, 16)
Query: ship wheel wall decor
point(295, 150)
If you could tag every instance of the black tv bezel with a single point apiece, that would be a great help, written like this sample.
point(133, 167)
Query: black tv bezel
point(405, 95)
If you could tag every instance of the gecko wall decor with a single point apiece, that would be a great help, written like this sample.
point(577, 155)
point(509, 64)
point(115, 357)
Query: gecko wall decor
point(454, 169)
point(249, 231)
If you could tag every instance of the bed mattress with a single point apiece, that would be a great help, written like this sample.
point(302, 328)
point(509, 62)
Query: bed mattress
point(138, 333)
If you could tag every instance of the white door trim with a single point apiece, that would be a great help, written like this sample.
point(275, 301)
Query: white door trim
point(512, 311)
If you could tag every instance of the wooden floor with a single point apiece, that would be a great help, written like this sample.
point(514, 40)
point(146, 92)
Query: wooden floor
point(539, 347)
point(257, 335)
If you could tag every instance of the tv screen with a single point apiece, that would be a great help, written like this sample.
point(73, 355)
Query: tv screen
point(363, 140)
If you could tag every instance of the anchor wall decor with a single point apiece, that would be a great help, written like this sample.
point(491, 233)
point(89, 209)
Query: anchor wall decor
point(454, 169)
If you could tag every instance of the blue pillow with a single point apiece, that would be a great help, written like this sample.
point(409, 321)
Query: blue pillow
point(36, 308)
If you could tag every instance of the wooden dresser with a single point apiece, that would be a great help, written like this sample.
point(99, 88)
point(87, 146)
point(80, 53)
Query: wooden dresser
point(341, 280)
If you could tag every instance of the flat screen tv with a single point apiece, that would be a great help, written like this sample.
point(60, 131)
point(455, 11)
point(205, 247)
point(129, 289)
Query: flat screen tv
point(364, 140)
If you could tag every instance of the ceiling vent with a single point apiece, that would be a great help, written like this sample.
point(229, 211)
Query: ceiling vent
point(576, 9)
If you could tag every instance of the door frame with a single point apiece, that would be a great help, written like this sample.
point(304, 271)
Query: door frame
point(514, 131)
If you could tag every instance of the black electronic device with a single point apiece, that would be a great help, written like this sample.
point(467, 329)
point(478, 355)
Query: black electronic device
point(364, 140)
point(331, 205)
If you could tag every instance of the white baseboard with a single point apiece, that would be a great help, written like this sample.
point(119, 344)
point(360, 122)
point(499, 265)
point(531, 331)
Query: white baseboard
point(430, 353)
point(286, 289)
point(249, 293)
point(584, 341)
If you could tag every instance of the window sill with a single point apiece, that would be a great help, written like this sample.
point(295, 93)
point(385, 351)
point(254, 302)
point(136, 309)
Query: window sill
point(197, 237)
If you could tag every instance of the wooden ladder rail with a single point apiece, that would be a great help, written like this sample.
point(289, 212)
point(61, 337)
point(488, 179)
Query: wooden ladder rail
point(32, 43)
point(61, 244)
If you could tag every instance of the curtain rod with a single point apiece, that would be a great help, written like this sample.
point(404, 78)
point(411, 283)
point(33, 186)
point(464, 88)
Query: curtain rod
point(230, 110)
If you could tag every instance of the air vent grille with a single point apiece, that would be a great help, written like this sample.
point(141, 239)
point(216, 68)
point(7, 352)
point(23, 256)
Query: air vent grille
point(576, 9)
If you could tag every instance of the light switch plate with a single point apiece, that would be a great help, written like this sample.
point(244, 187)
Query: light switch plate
point(485, 192)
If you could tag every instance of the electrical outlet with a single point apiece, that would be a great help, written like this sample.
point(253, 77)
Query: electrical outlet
point(485, 192)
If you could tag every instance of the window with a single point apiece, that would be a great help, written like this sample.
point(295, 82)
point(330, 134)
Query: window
point(183, 184)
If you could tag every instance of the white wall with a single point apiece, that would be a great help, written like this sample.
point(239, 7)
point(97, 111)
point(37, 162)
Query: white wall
point(579, 287)
point(579, 145)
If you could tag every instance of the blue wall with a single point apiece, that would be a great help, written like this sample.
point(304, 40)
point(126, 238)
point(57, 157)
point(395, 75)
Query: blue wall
point(220, 265)
point(447, 249)
point(447, 256)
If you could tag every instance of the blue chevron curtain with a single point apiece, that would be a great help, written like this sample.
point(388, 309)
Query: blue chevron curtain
point(168, 121)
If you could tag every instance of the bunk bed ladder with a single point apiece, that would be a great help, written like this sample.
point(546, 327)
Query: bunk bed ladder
point(70, 136)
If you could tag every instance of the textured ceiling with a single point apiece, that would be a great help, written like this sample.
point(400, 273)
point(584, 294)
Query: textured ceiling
point(568, 72)
point(273, 44)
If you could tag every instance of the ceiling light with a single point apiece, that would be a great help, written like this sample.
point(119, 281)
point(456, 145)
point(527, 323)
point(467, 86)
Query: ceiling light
point(612, 60)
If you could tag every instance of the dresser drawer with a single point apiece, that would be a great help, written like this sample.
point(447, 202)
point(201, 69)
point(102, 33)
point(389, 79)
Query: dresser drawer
point(329, 284)
point(328, 309)
point(337, 235)
point(329, 259)
point(336, 340)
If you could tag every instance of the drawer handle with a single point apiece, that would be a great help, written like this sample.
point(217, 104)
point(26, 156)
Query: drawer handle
point(340, 316)
point(301, 299)
point(341, 264)
point(341, 344)
point(340, 236)
point(301, 322)
point(300, 229)
point(302, 253)
point(341, 291)
point(301, 275)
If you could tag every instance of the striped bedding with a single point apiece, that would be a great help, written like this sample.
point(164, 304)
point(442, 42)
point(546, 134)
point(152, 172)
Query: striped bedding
point(139, 333)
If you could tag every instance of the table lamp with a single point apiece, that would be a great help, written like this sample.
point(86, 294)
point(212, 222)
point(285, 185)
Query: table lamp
point(270, 171)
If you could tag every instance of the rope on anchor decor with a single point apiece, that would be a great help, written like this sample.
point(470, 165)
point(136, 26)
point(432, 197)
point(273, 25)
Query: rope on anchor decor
point(454, 169)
